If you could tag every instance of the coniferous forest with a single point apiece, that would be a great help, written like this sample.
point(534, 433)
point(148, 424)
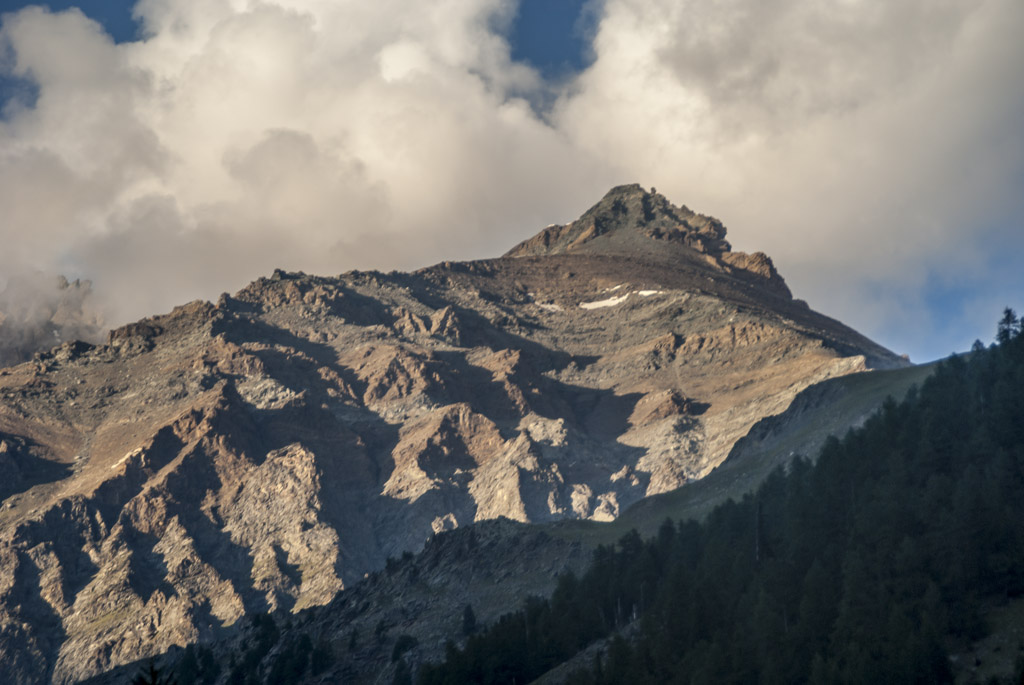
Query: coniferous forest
point(863, 565)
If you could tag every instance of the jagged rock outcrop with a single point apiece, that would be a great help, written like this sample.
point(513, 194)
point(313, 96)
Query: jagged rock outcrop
point(266, 451)
point(631, 221)
point(625, 216)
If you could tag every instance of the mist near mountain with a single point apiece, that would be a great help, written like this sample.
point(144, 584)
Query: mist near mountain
point(37, 313)
point(876, 153)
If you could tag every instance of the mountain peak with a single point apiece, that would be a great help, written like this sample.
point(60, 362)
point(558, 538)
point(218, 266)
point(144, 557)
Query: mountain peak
point(632, 222)
point(627, 219)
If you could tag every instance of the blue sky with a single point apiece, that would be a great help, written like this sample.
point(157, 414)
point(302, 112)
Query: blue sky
point(876, 154)
point(116, 18)
point(115, 15)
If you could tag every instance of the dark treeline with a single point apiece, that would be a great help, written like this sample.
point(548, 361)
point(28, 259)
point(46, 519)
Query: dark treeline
point(860, 567)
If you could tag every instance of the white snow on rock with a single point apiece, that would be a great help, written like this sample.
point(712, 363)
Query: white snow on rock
point(610, 302)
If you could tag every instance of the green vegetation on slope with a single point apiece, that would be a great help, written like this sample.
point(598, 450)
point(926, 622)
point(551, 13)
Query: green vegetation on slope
point(859, 567)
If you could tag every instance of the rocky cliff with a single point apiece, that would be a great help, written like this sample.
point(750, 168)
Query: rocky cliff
point(267, 451)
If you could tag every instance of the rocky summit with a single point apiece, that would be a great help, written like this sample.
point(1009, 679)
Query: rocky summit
point(271, 449)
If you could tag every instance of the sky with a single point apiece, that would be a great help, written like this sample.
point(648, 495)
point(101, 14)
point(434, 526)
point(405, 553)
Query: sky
point(175, 149)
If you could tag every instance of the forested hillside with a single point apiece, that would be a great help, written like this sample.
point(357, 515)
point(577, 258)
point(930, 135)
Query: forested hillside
point(867, 564)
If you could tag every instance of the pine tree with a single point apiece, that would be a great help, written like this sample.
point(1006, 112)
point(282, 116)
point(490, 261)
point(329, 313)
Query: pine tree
point(1008, 326)
point(468, 620)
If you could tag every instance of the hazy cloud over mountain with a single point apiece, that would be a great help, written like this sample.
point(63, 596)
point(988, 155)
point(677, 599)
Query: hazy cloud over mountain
point(876, 151)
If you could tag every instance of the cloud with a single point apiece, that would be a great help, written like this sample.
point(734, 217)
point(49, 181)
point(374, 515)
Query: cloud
point(37, 313)
point(239, 137)
point(871, 149)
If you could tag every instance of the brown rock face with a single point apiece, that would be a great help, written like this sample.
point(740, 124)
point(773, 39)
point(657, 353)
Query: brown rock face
point(267, 451)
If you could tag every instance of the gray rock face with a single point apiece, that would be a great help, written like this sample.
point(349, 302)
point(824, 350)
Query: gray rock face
point(267, 451)
point(626, 215)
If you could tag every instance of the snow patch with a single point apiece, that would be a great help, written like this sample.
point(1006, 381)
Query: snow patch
point(610, 302)
point(549, 306)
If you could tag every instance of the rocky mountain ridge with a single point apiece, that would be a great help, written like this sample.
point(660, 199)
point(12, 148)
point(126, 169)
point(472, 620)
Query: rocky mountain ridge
point(266, 451)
